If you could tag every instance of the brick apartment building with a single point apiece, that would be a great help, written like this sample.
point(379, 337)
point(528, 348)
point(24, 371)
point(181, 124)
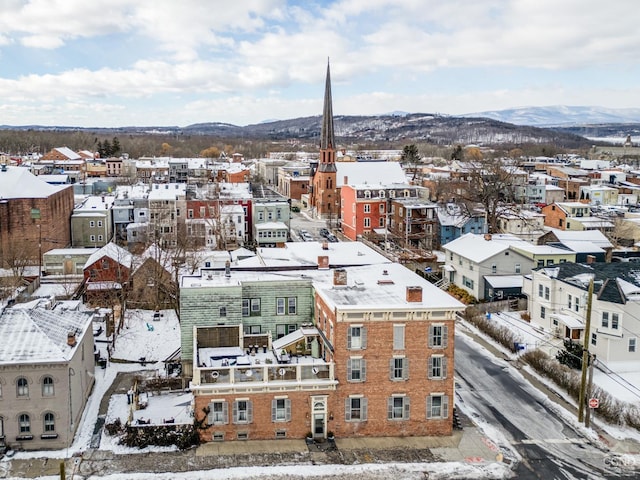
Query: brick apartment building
point(34, 216)
point(353, 350)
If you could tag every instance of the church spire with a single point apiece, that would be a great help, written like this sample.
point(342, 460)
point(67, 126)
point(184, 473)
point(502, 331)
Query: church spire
point(327, 139)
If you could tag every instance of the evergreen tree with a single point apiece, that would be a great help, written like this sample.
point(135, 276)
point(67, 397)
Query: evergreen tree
point(571, 356)
point(115, 147)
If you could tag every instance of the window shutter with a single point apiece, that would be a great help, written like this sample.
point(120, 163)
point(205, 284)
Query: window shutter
point(225, 412)
point(363, 409)
point(274, 405)
point(430, 367)
point(429, 406)
point(445, 335)
point(391, 369)
point(349, 337)
point(430, 335)
point(363, 337)
point(363, 370)
point(287, 409)
point(390, 408)
point(210, 414)
point(250, 411)
point(405, 368)
point(349, 370)
point(444, 367)
point(406, 408)
point(445, 406)
point(347, 409)
point(235, 412)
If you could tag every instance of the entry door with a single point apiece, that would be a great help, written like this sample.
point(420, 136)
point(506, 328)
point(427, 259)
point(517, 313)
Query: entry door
point(1, 430)
point(318, 425)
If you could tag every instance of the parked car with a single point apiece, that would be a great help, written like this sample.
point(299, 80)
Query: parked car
point(332, 238)
point(305, 236)
point(324, 232)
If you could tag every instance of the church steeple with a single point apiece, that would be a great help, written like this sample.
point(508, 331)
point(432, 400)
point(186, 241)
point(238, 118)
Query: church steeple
point(327, 140)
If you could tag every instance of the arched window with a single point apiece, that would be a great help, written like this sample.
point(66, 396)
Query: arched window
point(382, 193)
point(49, 422)
point(47, 386)
point(22, 387)
point(367, 194)
point(24, 423)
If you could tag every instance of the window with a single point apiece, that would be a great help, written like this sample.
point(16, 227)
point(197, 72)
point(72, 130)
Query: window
point(242, 411)
point(92, 224)
point(549, 262)
point(594, 339)
point(438, 336)
point(222, 311)
point(356, 338)
point(398, 408)
point(47, 386)
point(632, 344)
point(517, 268)
point(494, 268)
point(356, 369)
point(569, 301)
point(381, 222)
point(399, 368)
point(576, 304)
point(605, 319)
point(24, 423)
point(367, 208)
point(218, 413)
point(437, 367)
point(280, 306)
point(355, 409)
point(100, 238)
point(99, 223)
point(467, 282)
point(540, 290)
point(49, 423)
point(92, 238)
point(367, 222)
point(546, 293)
point(540, 263)
point(398, 337)
point(614, 321)
point(250, 306)
point(292, 305)
point(280, 410)
point(543, 312)
point(190, 213)
point(437, 406)
point(381, 206)
point(22, 387)
point(255, 306)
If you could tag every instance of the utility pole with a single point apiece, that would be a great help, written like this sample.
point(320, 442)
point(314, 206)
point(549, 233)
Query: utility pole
point(585, 354)
point(587, 419)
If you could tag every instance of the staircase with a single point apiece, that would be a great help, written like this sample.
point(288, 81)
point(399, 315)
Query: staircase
point(443, 283)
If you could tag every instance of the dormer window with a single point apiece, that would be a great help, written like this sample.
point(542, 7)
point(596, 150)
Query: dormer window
point(367, 194)
point(382, 194)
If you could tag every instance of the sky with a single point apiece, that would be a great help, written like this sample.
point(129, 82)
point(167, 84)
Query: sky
point(109, 63)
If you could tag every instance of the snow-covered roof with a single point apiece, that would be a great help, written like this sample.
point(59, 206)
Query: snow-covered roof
point(505, 281)
point(371, 173)
point(67, 152)
point(112, 251)
point(477, 248)
point(18, 182)
point(593, 236)
point(39, 335)
point(167, 191)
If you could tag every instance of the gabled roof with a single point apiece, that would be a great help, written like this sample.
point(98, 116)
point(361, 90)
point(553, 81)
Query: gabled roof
point(112, 251)
point(67, 152)
point(478, 249)
point(39, 335)
point(595, 237)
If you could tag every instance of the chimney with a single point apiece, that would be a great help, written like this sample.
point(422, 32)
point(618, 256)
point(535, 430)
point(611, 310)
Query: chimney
point(325, 245)
point(414, 294)
point(323, 262)
point(345, 180)
point(487, 236)
point(71, 339)
point(339, 276)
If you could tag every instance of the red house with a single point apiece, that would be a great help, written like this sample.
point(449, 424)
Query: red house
point(106, 275)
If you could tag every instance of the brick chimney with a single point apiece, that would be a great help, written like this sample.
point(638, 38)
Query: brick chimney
point(339, 276)
point(323, 262)
point(414, 294)
point(325, 245)
point(487, 236)
point(71, 339)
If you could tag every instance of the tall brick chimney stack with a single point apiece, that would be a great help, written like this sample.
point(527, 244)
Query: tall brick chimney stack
point(414, 294)
point(339, 276)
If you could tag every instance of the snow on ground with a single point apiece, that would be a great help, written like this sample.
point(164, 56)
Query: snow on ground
point(144, 337)
point(368, 471)
point(166, 406)
point(57, 290)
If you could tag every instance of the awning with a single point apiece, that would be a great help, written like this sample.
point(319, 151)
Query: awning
point(571, 322)
point(448, 268)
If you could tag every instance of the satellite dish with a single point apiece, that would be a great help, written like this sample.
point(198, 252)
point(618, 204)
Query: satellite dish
point(214, 374)
point(248, 373)
point(315, 370)
point(282, 372)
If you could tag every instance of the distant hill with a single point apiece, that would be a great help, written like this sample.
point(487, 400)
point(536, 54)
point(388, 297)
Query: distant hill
point(562, 116)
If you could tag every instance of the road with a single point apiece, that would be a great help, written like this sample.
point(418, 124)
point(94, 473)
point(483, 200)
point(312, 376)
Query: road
point(313, 226)
point(535, 432)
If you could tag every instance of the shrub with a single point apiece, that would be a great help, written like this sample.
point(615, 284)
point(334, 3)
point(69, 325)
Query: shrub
point(114, 428)
point(500, 334)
